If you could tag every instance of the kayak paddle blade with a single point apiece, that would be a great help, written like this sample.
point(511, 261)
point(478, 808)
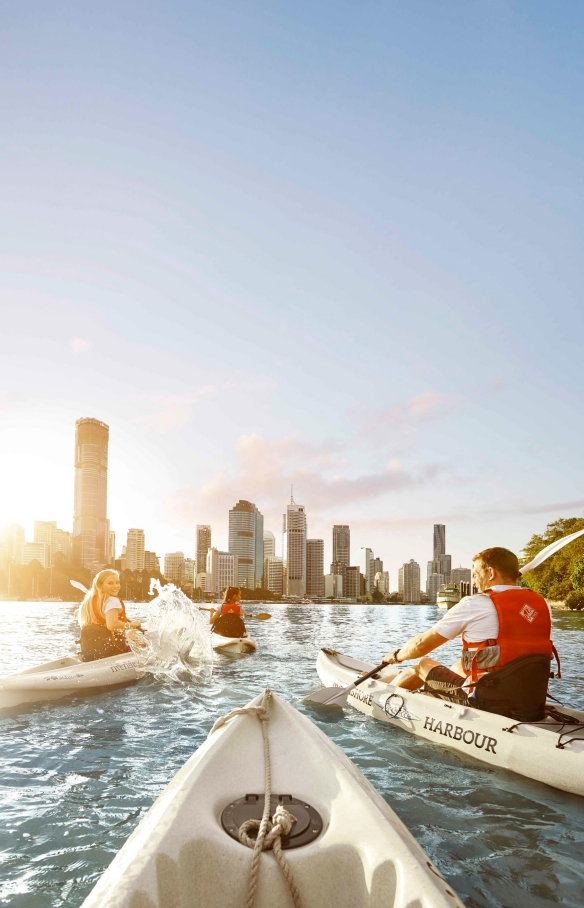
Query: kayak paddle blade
point(78, 586)
point(329, 696)
point(263, 616)
point(549, 551)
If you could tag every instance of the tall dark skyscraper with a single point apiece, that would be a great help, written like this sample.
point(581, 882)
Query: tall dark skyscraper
point(341, 544)
point(203, 546)
point(246, 540)
point(90, 523)
point(439, 539)
point(315, 567)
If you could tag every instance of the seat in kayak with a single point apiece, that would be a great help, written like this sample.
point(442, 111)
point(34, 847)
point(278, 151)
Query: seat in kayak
point(518, 690)
point(229, 625)
point(99, 643)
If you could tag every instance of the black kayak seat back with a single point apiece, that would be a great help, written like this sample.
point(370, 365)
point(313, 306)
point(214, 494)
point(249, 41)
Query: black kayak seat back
point(518, 690)
point(99, 643)
point(229, 625)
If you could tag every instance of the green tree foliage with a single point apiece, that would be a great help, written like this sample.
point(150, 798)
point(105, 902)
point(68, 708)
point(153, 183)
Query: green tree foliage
point(553, 578)
point(577, 577)
point(575, 600)
point(377, 596)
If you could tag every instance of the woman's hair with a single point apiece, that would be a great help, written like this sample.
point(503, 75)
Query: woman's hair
point(91, 609)
point(230, 593)
point(501, 560)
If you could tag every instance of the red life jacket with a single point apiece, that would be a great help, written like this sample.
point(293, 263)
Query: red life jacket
point(524, 629)
point(228, 607)
point(98, 620)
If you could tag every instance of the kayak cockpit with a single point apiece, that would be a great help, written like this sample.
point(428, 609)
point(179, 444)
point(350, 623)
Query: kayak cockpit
point(51, 666)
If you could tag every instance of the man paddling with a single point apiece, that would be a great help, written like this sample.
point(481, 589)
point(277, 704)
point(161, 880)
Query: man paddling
point(499, 624)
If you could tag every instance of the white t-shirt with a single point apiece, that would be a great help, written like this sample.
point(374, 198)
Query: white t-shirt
point(110, 603)
point(475, 617)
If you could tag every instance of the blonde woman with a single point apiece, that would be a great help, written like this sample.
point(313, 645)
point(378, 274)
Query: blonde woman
point(103, 620)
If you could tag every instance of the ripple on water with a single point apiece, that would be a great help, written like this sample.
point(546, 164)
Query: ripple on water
point(78, 775)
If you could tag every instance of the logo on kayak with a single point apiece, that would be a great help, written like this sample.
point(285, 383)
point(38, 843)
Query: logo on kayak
point(395, 708)
point(528, 613)
point(460, 734)
point(357, 694)
point(122, 666)
point(62, 677)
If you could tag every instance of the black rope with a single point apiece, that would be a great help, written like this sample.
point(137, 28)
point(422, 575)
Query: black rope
point(572, 724)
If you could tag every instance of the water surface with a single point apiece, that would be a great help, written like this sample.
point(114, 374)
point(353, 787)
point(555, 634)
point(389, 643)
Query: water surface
point(77, 775)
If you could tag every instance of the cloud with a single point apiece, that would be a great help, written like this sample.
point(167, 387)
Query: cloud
point(78, 345)
point(175, 410)
point(266, 469)
point(386, 425)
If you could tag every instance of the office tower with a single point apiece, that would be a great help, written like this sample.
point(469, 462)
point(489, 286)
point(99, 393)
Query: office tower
point(435, 581)
point(274, 574)
point(151, 562)
point(341, 544)
point(368, 568)
point(135, 550)
point(377, 566)
point(222, 571)
point(460, 575)
point(296, 548)
point(203, 546)
point(439, 540)
point(246, 540)
point(382, 582)
point(189, 570)
point(315, 567)
point(46, 531)
point(11, 544)
point(123, 560)
point(444, 566)
point(333, 586)
point(409, 581)
point(90, 504)
point(352, 582)
point(174, 567)
point(111, 536)
point(36, 551)
point(339, 569)
point(269, 544)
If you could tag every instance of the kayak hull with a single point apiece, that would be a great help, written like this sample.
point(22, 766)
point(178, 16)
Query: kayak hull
point(233, 645)
point(64, 677)
point(529, 750)
point(180, 855)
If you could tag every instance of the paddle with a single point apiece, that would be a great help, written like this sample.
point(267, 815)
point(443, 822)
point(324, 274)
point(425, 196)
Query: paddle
point(550, 550)
point(263, 616)
point(78, 586)
point(337, 696)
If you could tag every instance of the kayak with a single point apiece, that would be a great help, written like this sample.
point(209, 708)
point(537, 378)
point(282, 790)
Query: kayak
point(347, 848)
point(63, 677)
point(231, 645)
point(551, 751)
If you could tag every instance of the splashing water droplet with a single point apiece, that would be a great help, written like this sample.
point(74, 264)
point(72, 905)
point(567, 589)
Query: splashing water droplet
point(177, 642)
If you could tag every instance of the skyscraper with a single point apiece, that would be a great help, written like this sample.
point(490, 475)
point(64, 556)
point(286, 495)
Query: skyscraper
point(269, 544)
point(439, 540)
point(90, 543)
point(135, 550)
point(341, 544)
point(296, 548)
point(409, 581)
point(174, 567)
point(435, 581)
point(12, 544)
point(274, 574)
point(222, 571)
point(246, 540)
point(315, 567)
point(368, 568)
point(203, 546)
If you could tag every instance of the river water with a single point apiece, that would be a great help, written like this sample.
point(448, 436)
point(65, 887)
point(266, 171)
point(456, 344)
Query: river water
point(77, 775)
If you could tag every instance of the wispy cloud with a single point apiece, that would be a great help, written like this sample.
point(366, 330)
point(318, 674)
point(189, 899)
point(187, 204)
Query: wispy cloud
point(78, 345)
point(385, 426)
point(172, 409)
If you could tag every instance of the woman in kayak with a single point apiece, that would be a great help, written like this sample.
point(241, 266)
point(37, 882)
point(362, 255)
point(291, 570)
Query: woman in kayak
point(227, 620)
point(103, 620)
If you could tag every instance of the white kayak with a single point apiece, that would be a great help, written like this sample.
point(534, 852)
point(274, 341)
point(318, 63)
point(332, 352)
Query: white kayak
point(66, 676)
point(551, 751)
point(237, 645)
point(359, 854)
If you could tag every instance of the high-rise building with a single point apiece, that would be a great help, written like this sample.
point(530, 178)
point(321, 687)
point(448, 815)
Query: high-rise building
point(151, 562)
point(368, 568)
point(460, 575)
point(439, 546)
point(444, 566)
point(90, 543)
point(352, 582)
point(203, 546)
point(46, 531)
point(222, 571)
point(382, 582)
point(269, 544)
point(274, 574)
point(342, 544)
point(174, 567)
point(339, 568)
point(409, 581)
point(36, 551)
point(111, 546)
point(435, 581)
point(189, 572)
point(12, 544)
point(135, 550)
point(315, 567)
point(333, 586)
point(296, 548)
point(246, 540)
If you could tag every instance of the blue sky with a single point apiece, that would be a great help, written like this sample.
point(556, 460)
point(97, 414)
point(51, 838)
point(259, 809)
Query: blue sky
point(332, 244)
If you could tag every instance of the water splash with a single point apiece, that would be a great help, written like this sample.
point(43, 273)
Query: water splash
point(177, 643)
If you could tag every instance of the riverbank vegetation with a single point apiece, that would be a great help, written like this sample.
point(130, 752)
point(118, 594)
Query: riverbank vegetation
point(561, 577)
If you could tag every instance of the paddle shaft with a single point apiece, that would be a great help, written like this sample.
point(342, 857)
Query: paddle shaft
point(263, 616)
point(370, 674)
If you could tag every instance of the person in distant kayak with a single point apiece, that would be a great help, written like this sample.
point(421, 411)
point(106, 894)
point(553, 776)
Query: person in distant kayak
point(227, 620)
point(103, 620)
point(500, 623)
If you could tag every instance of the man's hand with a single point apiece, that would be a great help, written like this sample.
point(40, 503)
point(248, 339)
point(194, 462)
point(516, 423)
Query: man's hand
point(416, 647)
point(391, 658)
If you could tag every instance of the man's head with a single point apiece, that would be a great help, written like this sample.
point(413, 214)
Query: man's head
point(495, 566)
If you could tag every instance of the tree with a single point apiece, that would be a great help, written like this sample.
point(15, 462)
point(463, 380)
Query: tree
point(575, 600)
point(577, 576)
point(553, 578)
point(377, 596)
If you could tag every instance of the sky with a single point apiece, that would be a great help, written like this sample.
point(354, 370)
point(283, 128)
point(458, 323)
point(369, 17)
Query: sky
point(336, 246)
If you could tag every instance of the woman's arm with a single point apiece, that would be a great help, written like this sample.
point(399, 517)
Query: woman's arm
point(113, 622)
point(212, 615)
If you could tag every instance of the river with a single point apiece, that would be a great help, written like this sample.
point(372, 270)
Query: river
point(77, 775)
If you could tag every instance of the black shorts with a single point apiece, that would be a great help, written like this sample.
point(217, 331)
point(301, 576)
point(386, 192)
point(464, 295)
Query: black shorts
point(440, 681)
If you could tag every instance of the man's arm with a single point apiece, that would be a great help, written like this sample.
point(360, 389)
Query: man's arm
point(418, 646)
